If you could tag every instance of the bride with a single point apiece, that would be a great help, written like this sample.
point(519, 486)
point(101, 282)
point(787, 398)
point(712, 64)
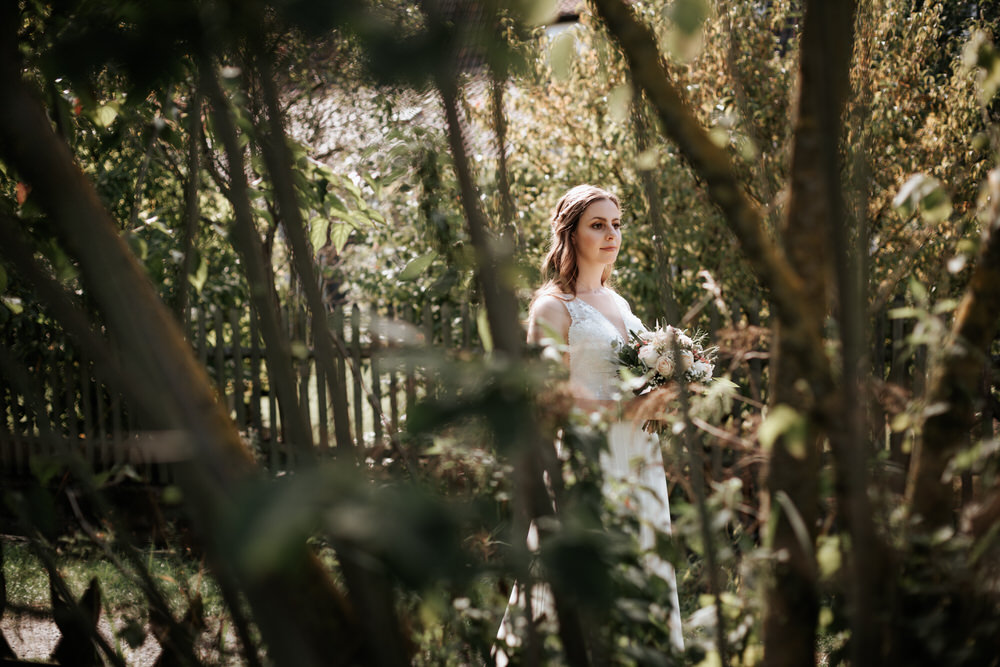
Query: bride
point(576, 305)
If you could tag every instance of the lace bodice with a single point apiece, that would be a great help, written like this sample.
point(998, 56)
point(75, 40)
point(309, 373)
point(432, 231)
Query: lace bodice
point(592, 364)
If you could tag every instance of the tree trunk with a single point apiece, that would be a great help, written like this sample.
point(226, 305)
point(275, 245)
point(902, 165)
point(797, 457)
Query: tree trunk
point(263, 297)
point(797, 286)
point(296, 608)
point(279, 163)
point(953, 391)
point(815, 206)
point(501, 310)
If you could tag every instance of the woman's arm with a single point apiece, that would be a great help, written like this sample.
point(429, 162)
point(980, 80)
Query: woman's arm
point(548, 316)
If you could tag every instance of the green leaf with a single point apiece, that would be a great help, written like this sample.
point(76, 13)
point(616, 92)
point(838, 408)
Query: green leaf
point(689, 15)
point(647, 160)
point(905, 312)
point(44, 468)
point(561, 54)
point(925, 195)
point(198, 278)
point(828, 556)
point(784, 420)
point(13, 304)
point(919, 291)
point(335, 202)
point(105, 115)
point(483, 326)
point(339, 233)
point(317, 232)
point(138, 245)
point(417, 266)
point(619, 101)
point(353, 189)
point(980, 54)
point(538, 12)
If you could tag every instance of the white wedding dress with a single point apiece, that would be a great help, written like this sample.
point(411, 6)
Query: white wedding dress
point(633, 464)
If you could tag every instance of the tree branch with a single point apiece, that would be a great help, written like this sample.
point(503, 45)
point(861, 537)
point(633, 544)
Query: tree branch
point(262, 295)
point(709, 161)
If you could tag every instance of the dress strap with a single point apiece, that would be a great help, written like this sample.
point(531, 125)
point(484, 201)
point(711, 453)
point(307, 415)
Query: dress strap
point(576, 310)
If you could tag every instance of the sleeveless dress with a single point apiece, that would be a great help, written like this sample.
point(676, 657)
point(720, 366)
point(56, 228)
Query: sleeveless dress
point(633, 463)
point(632, 466)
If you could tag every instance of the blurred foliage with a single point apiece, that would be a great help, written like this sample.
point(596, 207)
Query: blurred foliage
point(384, 217)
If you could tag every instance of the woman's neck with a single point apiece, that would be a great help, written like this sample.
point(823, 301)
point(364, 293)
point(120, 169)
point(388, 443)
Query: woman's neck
point(588, 280)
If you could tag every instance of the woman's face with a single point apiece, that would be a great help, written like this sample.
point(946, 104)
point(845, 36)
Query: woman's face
point(598, 235)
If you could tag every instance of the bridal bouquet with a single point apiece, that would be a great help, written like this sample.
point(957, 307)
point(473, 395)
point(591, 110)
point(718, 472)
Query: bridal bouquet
point(647, 360)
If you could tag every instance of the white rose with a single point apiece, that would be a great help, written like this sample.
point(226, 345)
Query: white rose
point(665, 366)
point(702, 370)
point(664, 339)
point(647, 355)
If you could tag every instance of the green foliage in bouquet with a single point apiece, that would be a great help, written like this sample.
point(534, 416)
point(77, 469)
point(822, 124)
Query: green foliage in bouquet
point(649, 359)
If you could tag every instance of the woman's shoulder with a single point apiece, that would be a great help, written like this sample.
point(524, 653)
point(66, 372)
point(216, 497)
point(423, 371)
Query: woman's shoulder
point(550, 304)
point(548, 317)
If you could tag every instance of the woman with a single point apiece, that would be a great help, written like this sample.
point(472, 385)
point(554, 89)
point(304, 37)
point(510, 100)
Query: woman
point(576, 305)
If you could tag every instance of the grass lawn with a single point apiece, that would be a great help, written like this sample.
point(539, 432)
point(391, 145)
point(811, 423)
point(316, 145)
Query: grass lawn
point(27, 620)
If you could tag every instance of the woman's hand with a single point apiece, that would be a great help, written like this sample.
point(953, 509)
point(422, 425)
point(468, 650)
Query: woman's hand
point(654, 404)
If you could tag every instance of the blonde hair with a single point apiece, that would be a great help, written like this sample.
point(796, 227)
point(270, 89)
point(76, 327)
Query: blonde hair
point(559, 268)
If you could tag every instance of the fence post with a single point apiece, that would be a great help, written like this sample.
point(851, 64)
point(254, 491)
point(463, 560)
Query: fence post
point(410, 381)
point(356, 375)
point(446, 338)
point(755, 372)
point(341, 414)
point(373, 335)
point(255, 392)
point(428, 322)
point(88, 415)
point(72, 423)
point(220, 360)
point(6, 428)
point(466, 326)
point(393, 385)
point(202, 338)
point(238, 385)
point(897, 375)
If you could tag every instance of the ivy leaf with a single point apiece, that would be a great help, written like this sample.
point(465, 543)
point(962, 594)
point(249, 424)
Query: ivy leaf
point(417, 266)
